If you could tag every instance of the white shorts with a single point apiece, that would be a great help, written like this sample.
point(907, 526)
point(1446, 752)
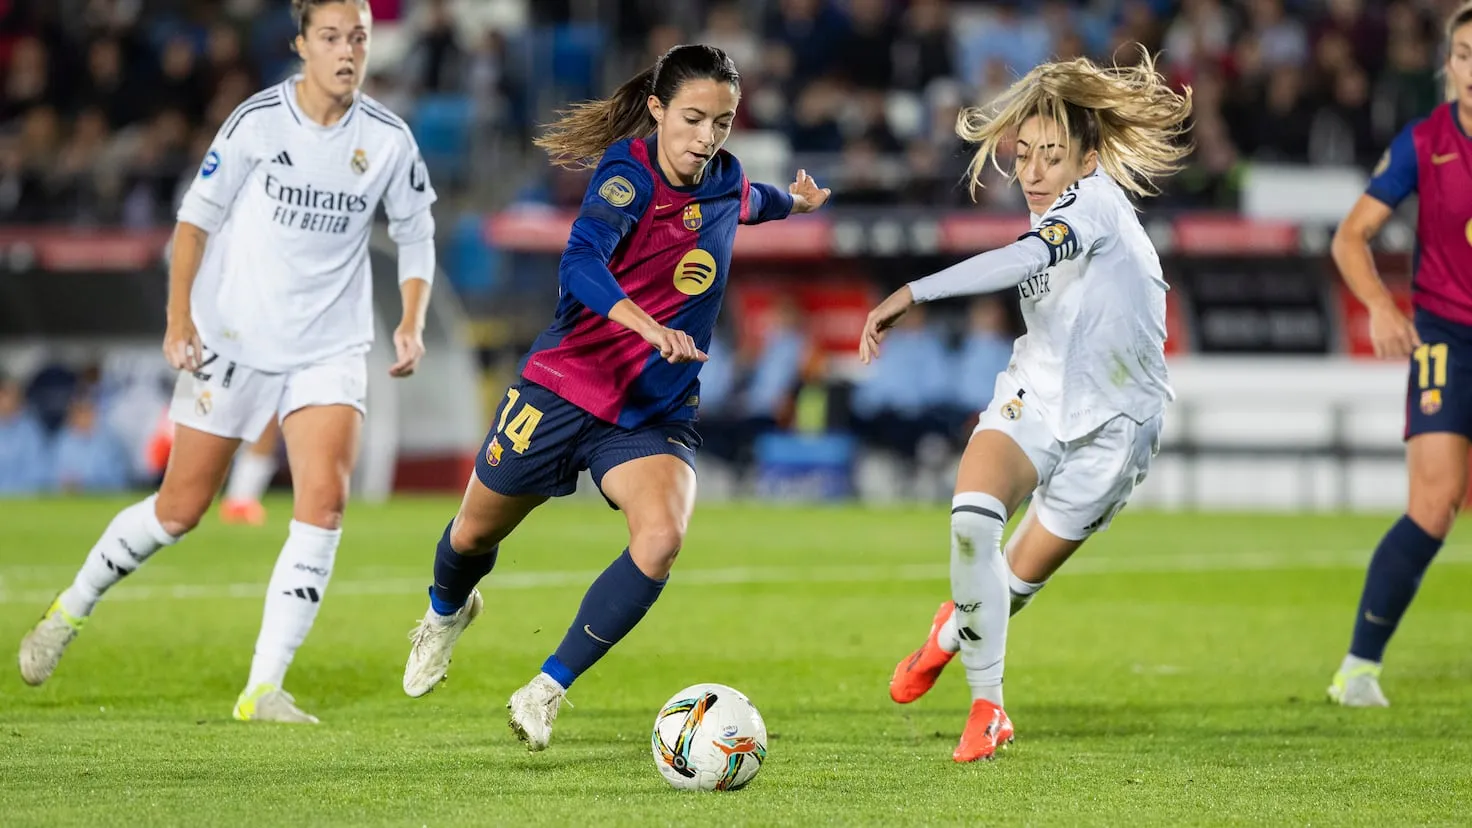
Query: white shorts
point(1082, 484)
point(228, 399)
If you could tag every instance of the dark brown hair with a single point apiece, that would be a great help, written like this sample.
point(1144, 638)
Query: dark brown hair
point(581, 133)
point(1459, 18)
point(301, 11)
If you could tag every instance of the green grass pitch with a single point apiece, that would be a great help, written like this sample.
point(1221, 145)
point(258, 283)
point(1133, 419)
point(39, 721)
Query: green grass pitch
point(1172, 674)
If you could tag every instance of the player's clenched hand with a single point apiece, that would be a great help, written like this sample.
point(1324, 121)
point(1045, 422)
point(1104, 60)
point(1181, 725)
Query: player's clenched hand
point(880, 320)
point(675, 346)
point(408, 350)
point(1392, 333)
point(182, 346)
point(806, 195)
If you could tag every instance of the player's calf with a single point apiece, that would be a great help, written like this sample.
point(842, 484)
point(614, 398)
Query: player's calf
point(132, 537)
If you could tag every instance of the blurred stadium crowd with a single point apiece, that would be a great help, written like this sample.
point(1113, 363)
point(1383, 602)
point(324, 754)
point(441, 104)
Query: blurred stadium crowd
point(106, 107)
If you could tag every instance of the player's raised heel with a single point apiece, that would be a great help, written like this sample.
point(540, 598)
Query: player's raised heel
point(917, 673)
point(43, 646)
point(987, 730)
point(433, 644)
point(1358, 687)
point(269, 703)
point(533, 710)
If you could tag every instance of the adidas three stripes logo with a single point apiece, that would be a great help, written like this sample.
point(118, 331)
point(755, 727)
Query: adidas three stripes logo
point(283, 158)
point(304, 593)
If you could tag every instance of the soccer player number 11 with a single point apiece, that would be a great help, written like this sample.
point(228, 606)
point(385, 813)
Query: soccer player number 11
point(1431, 359)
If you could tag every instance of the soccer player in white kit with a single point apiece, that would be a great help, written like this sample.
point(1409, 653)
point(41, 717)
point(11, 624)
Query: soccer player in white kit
point(1076, 417)
point(270, 314)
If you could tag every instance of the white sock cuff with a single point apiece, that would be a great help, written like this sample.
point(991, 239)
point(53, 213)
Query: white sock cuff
point(1019, 586)
point(979, 502)
point(152, 525)
point(317, 533)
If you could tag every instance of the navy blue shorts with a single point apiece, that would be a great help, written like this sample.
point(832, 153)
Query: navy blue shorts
point(539, 443)
point(1439, 389)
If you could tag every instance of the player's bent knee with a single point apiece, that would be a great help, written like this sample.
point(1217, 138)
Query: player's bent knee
point(321, 505)
point(654, 549)
point(1435, 510)
point(179, 514)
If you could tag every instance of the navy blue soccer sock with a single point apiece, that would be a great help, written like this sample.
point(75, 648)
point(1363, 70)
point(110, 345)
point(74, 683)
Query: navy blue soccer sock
point(455, 575)
point(1395, 572)
point(614, 604)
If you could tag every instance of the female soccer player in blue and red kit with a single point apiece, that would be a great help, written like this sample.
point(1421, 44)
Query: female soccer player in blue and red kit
point(611, 386)
point(1432, 157)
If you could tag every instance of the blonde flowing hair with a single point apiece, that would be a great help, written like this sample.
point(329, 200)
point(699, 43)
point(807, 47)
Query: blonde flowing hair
point(1127, 113)
point(1459, 18)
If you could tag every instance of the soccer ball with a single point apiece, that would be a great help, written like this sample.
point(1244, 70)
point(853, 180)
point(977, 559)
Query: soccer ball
point(709, 737)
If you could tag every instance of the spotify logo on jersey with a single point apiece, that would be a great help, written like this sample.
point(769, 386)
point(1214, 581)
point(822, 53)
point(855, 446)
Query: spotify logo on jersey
point(695, 273)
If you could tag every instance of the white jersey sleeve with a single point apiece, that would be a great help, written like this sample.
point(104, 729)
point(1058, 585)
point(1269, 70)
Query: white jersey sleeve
point(226, 167)
point(407, 203)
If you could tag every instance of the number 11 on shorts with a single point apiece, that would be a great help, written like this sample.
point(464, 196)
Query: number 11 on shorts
point(1431, 362)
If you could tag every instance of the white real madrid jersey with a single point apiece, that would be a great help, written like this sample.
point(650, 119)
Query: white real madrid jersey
point(289, 205)
point(1095, 342)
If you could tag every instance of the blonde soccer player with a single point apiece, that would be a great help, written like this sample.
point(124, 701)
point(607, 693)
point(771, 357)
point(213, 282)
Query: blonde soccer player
point(1076, 417)
point(270, 315)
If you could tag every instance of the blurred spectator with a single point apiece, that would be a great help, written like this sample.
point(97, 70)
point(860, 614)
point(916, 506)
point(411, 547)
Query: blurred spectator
point(923, 50)
point(906, 394)
point(24, 451)
point(726, 29)
point(985, 351)
point(88, 457)
point(437, 57)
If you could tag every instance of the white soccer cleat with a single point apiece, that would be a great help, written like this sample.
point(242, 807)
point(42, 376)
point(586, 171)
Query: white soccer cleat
point(43, 646)
point(269, 703)
point(433, 642)
point(1358, 687)
point(533, 710)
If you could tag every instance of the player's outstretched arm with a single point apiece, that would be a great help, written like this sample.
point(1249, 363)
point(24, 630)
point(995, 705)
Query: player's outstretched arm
point(987, 272)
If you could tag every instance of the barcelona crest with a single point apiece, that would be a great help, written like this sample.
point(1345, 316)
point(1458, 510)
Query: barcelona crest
point(692, 216)
point(493, 452)
point(1430, 401)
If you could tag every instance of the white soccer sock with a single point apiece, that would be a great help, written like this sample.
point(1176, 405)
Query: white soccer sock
point(250, 476)
point(979, 588)
point(1022, 591)
point(295, 593)
point(949, 638)
point(132, 537)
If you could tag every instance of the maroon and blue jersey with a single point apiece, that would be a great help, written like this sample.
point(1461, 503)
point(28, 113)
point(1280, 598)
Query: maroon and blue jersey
point(1433, 157)
point(668, 249)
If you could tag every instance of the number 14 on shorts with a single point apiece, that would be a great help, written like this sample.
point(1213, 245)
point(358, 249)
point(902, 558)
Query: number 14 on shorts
point(519, 430)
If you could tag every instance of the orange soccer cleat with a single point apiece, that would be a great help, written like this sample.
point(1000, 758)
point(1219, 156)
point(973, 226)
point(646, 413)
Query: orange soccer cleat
point(987, 729)
point(914, 676)
point(246, 512)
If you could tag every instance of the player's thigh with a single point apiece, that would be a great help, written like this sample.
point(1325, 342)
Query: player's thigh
point(1095, 478)
point(1437, 466)
point(649, 475)
point(1011, 450)
point(321, 450)
point(265, 445)
point(1034, 553)
point(197, 466)
point(213, 409)
point(486, 517)
point(321, 413)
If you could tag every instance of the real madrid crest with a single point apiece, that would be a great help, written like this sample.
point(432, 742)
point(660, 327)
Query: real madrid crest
point(1013, 409)
point(1430, 401)
point(360, 161)
point(203, 404)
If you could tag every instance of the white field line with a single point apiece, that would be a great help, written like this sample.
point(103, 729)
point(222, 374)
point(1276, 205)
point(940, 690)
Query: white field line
point(776, 575)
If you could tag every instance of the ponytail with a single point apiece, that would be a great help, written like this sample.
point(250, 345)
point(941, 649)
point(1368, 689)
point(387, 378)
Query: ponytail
point(581, 133)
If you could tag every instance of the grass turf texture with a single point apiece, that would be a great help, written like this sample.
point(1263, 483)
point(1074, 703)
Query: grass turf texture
point(1173, 673)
